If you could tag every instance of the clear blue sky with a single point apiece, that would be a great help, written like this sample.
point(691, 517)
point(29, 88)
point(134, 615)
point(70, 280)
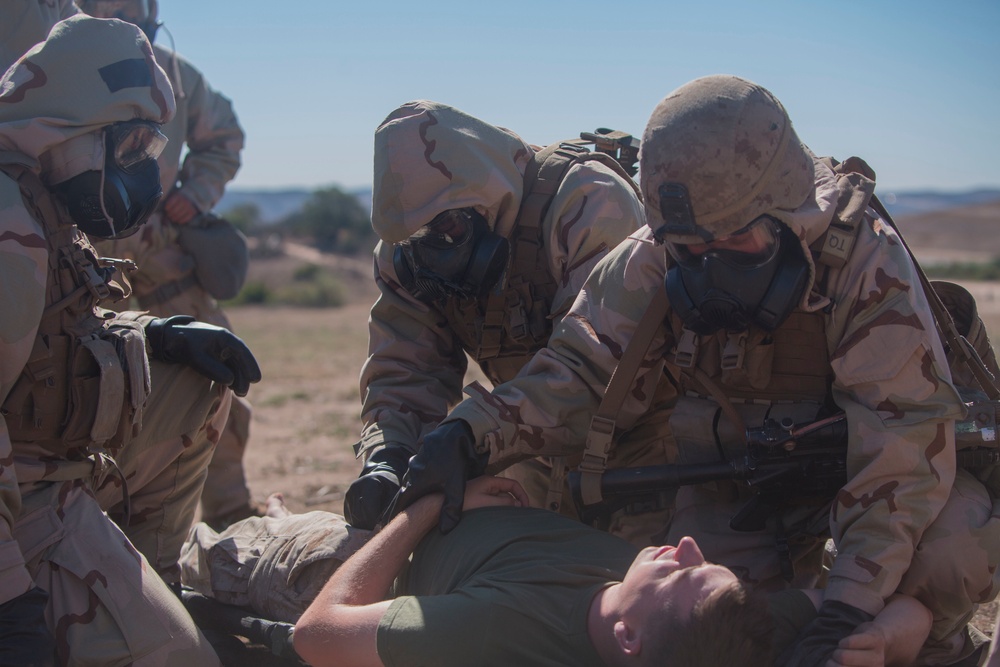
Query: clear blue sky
point(913, 87)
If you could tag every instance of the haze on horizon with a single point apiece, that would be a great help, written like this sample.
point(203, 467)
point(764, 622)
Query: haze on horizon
point(911, 87)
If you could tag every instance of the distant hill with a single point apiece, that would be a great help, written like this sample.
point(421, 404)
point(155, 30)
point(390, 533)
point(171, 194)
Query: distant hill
point(277, 204)
point(959, 234)
point(927, 201)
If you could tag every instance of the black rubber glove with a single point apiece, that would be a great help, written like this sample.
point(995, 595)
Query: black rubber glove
point(447, 458)
point(370, 495)
point(818, 640)
point(216, 353)
point(24, 637)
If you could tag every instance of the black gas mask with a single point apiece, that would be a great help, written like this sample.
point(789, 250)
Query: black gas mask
point(755, 276)
point(454, 255)
point(114, 202)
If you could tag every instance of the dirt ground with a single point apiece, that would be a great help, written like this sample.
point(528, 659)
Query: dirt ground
point(306, 410)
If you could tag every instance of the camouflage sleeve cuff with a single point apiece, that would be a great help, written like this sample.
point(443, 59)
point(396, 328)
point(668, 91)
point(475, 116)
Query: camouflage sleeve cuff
point(365, 447)
point(203, 198)
point(488, 434)
point(854, 593)
point(380, 434)
point(140, 316)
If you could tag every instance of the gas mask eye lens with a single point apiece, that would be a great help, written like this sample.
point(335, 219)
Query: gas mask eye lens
point(448, 229)
point(454, 255)
point(747, 248)
point(135, 142)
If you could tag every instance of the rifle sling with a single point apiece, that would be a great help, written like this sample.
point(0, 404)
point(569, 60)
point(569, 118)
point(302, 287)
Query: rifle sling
point(600, 438)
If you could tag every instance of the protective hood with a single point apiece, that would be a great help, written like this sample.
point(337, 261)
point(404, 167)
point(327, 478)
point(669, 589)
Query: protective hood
point(812, 218)
point(430, 157)
point(88, 74)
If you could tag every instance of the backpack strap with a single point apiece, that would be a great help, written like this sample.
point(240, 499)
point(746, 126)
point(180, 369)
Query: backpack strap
point(543, 175)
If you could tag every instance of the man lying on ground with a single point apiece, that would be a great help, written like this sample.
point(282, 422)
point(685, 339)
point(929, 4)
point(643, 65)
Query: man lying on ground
point(512, 585)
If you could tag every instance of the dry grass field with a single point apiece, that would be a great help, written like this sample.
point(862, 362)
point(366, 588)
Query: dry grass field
point(306, 410)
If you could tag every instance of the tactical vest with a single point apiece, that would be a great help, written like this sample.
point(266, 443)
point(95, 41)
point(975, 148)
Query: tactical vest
point(790, 364)
point(730, 381)
point(502, 330)
point(84, 385)
point(745, 376)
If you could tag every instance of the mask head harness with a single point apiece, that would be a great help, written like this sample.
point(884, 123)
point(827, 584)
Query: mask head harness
point(752, 277)
point(115, 201)
point(454, 255)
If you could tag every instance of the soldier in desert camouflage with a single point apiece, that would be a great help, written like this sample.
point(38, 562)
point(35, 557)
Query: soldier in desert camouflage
point(769, 315)
point(165, 281)
point(100, 411)
point(473, 259)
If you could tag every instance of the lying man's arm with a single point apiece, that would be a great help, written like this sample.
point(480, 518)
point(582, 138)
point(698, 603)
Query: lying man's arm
point(339, 628)
point(893, 639)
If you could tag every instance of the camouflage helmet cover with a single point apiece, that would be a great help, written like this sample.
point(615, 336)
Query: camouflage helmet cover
point(731, 144)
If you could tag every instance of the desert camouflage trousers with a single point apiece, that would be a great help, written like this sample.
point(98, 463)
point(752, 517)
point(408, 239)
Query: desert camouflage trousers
point(109, 603)
point(955, 567)
point(226, 492)
point(275, 566)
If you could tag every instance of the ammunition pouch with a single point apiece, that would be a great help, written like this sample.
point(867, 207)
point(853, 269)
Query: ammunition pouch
point(81, 392)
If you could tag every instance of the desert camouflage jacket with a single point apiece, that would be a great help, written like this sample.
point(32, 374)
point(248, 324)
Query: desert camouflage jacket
point(206, 123)
point(886, 367)
point(429, 158)
point(87, 75)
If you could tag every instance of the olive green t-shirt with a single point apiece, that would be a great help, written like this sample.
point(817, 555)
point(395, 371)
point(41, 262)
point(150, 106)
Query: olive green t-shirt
point(791, 611)
point(508, 587)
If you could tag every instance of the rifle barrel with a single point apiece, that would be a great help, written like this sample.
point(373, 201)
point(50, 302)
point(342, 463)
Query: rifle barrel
point(651, 479)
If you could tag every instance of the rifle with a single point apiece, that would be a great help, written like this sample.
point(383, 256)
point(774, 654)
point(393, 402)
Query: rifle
point(623, 147)
point(785, 464)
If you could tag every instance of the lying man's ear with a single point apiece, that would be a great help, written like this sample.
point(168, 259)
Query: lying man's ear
point(629, 641)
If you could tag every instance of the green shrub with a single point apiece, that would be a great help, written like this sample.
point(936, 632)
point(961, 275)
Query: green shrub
point(323, 292)
point(311, 286)
point(306, 273)
point(966, 270)
point(254, 292)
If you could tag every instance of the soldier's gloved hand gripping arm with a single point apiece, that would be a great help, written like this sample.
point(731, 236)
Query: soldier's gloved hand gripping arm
point(817, 641)
point(216, 353)
point(371, 494)
point(447, 458)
